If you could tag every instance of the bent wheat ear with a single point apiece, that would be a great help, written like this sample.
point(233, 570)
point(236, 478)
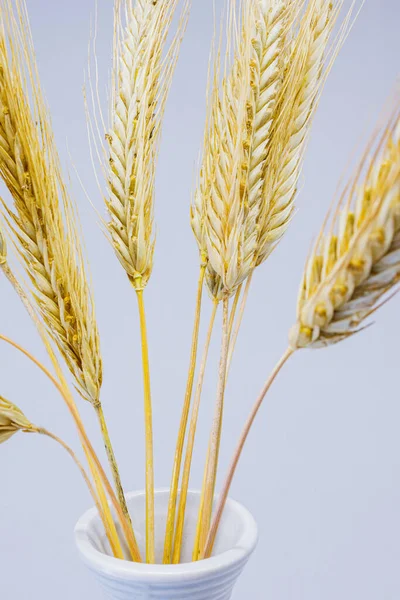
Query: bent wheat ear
point(357, 261)
point(144, 77)
point(43, 216)
point(12, 420)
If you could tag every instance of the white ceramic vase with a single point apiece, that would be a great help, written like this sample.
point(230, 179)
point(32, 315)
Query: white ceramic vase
point(211, 579)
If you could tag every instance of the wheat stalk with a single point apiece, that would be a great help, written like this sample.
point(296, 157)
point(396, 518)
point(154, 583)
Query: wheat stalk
point(355, 263)
point(170, 522)
point(257, 125)
point(223, 496)
point(95, 466)
point(357, 260)
point(180, 521)
point(100, 499)
point(12, 420)
point(142, 81)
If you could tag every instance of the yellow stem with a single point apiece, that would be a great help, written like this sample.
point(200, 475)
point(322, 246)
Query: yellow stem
point(190, 444)
point(233, 338)
point(29, 308)
point(150, 542)
point(112, 461)
point(197, 540)
point(99, 500)
point(235, 461)
point(215, 439)
point(108, 519)
point(169, 534)
point(233, 335)
point(66, 394)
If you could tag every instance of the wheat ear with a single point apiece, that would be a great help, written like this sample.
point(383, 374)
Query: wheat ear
point(226, 207)
point(143, 79)
point(219, 204)
point(223, 496)
point(306, 55)
point(272, 23)
point(101, 499)
point(353, 266)
point(306, 69)
point(356, 261)
point(50, 251)
point(12, 420)
point(43, 217)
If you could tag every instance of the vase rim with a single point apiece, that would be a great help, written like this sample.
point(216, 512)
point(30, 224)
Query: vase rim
point(127, 570)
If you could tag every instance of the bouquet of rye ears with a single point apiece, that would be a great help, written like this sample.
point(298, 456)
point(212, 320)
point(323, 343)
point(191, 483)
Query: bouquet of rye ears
point(266, 76)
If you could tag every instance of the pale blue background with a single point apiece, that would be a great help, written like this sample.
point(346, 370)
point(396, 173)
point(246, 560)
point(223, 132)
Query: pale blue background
point(321, 472)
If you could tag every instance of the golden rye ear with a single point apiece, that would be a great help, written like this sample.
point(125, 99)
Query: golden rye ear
point(42, 217)
point(144, 63)
point(260, 112)
point(263, 95)
point(356, 259)
point(12, 420)
point(43, 220)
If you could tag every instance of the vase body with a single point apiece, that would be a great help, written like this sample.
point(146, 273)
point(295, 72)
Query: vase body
point(211, 579)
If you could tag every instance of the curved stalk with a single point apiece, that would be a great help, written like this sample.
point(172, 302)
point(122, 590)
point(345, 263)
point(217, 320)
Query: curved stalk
point(108, 524)
point(64, 391)
point(169, 533)
point(99, 410)
point(233, 336)
point(190, 443)
point(215, 438)
point(236, 457)
point(148, 417)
